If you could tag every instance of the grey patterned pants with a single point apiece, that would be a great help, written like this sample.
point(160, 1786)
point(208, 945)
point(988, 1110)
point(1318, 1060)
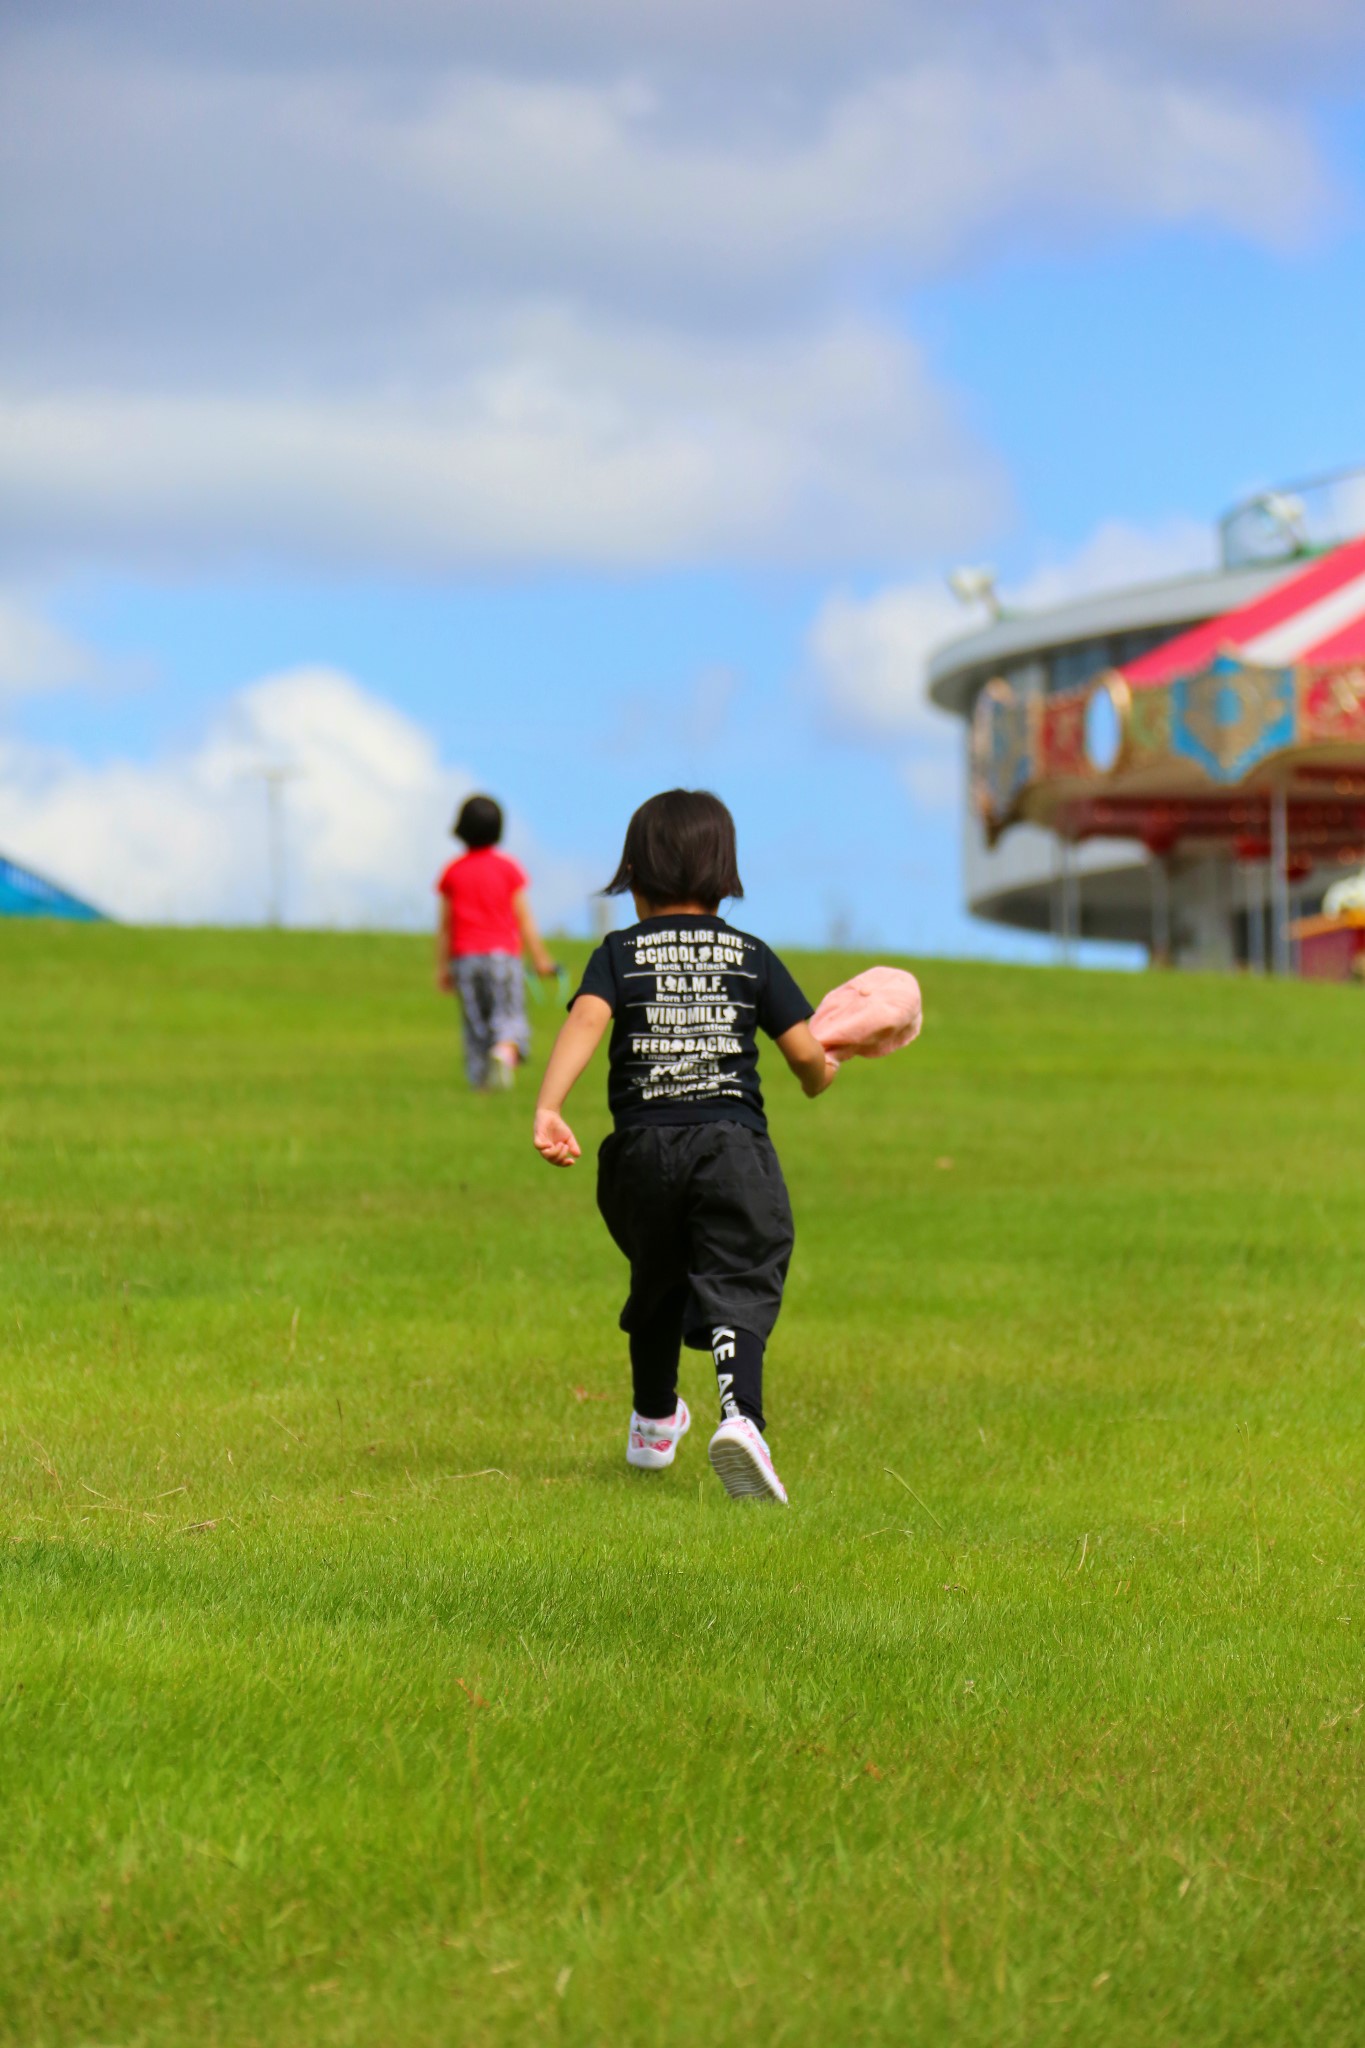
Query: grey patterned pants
point(492, 992)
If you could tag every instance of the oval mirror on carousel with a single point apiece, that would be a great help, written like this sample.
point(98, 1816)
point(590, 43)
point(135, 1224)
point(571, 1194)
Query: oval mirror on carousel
point(1106, 724)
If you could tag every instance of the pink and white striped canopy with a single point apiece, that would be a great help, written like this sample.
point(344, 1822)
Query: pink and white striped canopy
point(1316, 616)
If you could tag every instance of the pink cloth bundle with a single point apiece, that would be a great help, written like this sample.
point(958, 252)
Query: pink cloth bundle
point(876, 1013)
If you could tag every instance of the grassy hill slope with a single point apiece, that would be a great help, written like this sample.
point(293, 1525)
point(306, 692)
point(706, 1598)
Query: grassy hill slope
point(353, 1690)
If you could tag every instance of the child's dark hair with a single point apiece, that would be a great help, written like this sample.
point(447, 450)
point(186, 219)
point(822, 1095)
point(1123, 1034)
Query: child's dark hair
point(479, 823)
point(680, 848)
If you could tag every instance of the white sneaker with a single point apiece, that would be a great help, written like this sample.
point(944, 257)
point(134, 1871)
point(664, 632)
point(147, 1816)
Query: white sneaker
point(743, 1463)
point(502, 1067)
point(652, 1445)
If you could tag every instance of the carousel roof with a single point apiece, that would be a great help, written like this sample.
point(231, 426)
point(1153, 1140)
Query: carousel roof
point(1316, 616)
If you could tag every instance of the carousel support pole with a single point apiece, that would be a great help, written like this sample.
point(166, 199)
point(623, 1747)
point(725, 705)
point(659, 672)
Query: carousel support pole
point(1279, 881)
point(1255, 910)
point(1068, 934)
point(1161, 910)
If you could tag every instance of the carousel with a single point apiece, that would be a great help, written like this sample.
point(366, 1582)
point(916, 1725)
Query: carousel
point(1244, 736)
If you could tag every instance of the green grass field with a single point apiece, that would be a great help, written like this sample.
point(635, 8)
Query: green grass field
point(352, 1690)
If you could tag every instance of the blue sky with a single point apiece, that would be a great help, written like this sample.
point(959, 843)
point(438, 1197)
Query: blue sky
point(575, 408)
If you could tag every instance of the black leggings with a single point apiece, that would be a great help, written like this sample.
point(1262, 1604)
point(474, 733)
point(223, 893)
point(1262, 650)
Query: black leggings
point(656, 1346)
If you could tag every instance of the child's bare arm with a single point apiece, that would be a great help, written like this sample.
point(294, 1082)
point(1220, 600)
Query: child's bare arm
point(443, 944)
point(530, 934)
point(807, 1058)
point(578, 1040)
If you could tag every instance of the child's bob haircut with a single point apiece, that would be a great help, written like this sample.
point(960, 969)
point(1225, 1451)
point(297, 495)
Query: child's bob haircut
point(479, 823)
point(680, 848)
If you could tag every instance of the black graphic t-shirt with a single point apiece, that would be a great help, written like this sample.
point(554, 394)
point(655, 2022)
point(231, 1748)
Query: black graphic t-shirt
point(688, 997)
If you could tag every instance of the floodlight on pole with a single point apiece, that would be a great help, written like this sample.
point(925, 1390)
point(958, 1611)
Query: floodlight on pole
point(976, 585)
point(1288, 513)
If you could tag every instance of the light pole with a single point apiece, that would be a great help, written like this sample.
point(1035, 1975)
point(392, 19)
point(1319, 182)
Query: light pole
point(1279, 882)
point(274, 775)
point(1161, 908)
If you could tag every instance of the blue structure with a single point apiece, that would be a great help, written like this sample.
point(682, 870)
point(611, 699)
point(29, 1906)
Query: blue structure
point(24, 894)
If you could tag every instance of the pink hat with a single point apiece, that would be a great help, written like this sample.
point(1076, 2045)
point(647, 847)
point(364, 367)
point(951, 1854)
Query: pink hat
point(876, 1013)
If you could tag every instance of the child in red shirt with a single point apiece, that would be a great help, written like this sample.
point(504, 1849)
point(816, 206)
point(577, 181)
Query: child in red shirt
point(482, 925)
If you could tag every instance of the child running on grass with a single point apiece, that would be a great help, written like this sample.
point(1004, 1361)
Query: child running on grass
point(483, 923)
point(688, 1183)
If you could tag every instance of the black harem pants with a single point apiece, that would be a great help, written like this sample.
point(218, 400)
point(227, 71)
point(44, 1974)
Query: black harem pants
point(701, 1212)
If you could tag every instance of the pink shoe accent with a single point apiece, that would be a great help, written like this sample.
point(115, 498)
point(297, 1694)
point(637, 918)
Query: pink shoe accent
point(743, 1463)
point(652, 1444)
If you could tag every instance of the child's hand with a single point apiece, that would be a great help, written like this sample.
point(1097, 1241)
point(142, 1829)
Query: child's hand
point(807, 1058)
point(553, 1139)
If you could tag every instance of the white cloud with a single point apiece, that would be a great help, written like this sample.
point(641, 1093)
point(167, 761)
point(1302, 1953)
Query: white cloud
point(327, 225)
point(1287, 25)
point(1114, 557)
point(182, 838)
point(36, 655)
point(452, 310)
point(591, 446)
point(934, 773)
point(915, 166)
point(870, 654)
point(757, 42)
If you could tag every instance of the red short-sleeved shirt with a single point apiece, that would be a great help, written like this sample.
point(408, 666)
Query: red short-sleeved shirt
point(479, 887)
